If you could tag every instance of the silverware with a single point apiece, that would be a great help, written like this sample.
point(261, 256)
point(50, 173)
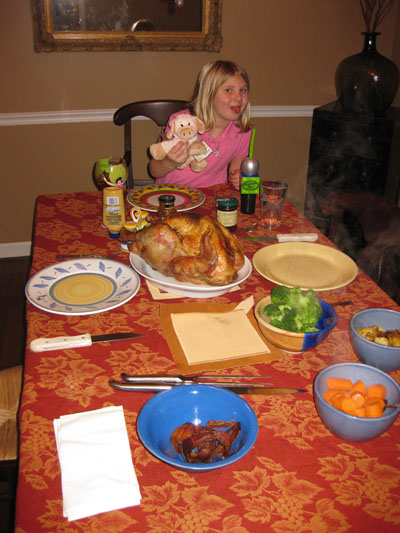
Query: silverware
point(285, 237)
point(72, 256)
point(393, 405)
point(61, 343)
point(238, 388)
point(165, 379)
point(161, 382)
point(344, 302)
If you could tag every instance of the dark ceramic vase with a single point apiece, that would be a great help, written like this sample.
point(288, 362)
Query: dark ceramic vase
point(367, 82)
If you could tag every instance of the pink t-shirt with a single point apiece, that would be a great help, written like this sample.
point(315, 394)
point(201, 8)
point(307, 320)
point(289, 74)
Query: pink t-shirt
point(232, 143)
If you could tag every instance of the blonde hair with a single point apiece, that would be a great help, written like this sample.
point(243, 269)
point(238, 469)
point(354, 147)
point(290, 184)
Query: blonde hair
point(209, 80)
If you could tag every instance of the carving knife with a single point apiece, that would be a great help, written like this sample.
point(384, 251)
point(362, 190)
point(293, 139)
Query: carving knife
point(286, 237)
point(238, 388)
point(77, 341)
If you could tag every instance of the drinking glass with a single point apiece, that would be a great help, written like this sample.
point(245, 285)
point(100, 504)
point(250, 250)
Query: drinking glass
point(272, 200)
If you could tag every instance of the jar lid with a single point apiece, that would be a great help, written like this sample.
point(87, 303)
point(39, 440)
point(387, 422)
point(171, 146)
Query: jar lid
point(228, 201)
point(167, 199)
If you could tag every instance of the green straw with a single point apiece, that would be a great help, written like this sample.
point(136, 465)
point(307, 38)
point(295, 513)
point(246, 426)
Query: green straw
point(253, 134)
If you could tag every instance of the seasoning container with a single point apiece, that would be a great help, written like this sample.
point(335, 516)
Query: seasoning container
point(126, 235)
point(250, 185)
point(113, 210)
point(227, 209)
point(166, 206)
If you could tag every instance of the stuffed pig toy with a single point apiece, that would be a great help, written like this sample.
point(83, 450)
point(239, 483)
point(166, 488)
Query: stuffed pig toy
point(183, 127)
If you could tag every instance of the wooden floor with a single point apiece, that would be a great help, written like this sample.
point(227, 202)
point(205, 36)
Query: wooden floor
point(14, 274)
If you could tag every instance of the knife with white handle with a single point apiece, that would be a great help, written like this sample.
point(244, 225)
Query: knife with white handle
point(286, 237)
point(77, 341)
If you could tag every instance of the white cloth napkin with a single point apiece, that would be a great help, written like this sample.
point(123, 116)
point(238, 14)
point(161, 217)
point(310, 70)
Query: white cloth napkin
point(97, 473)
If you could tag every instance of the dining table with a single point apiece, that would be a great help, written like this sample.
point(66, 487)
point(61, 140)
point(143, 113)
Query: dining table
point(296, 477)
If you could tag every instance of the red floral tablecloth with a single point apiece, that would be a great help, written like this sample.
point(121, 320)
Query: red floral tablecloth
point(297, 477)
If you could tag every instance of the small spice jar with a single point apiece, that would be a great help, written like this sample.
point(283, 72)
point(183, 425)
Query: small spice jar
point(166, 206)
point(227, 209)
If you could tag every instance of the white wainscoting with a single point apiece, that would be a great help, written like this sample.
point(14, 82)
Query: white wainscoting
point(19, 249)
point(106, 115)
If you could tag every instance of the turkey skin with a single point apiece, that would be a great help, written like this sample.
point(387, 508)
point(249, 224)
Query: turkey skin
point(191, 248)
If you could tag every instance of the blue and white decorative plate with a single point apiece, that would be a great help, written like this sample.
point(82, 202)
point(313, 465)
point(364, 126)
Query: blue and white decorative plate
point(82, 286)
point(146, 198)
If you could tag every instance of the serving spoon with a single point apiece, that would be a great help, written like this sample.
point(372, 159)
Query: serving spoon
point(393, 405)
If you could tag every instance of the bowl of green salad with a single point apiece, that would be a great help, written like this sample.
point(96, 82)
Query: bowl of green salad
point(294, 320)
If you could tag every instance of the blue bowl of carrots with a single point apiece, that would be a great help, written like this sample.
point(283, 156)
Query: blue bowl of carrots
point(351, 400)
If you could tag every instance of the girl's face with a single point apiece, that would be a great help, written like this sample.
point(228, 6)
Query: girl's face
point(230, 100)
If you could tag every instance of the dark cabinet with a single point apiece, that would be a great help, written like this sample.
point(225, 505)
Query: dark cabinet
point(351, 151)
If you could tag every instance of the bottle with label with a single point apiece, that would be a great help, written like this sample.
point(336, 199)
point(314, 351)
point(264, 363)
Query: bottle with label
point(227, 208)
point(166, 206)
point(113, 210)
point(250, 185)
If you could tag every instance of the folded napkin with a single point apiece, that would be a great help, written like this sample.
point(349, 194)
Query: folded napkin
point(158, 294)
point(270, 353)
point(97, 473)
point(208, 337)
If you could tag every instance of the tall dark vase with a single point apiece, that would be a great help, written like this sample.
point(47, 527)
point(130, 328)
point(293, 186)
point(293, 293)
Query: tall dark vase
point(367, 82)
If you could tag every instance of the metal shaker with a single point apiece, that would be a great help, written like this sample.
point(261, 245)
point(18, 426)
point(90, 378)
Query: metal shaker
point(250, 185)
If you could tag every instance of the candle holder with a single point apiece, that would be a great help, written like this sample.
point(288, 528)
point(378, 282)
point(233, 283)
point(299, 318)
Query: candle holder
point(110, 172)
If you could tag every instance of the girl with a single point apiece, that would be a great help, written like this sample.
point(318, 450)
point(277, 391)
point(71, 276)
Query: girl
point(221, 101)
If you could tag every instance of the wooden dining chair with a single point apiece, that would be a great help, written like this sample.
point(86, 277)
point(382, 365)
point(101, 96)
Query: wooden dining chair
point(157, 110)
point(10, 392)
point(380, 223)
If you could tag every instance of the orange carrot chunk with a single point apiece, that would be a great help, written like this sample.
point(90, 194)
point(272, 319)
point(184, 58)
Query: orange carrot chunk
point(361, 411)
point(358, 398)
point(359, 386)
point(330, 394)
point(347, 405)
point(374, 410)
point(339, 383)
point(374, 407)
point(376, 391)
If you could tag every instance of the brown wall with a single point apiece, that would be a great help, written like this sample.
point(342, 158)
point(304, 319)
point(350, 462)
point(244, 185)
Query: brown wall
point(291, 49)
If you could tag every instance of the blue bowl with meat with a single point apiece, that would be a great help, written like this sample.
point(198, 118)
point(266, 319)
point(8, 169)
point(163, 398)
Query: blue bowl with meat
point(197, 428)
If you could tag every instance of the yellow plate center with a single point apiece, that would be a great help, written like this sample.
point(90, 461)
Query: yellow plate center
point(83, 289)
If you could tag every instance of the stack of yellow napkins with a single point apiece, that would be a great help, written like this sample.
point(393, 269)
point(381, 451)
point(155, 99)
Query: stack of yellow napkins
point(206, 337)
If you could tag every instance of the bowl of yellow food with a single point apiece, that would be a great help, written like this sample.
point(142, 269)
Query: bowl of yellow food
point(375, 337)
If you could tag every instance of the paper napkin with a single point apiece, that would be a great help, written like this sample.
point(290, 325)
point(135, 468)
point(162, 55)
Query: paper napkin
point(216, 336)
point(270, 353)
point(97, 473)
point(158, 294)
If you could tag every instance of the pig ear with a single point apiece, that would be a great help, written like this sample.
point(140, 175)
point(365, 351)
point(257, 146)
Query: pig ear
point(171, 132)
point(199, 124)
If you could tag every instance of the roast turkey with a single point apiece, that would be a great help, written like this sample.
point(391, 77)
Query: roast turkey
point(191, 248)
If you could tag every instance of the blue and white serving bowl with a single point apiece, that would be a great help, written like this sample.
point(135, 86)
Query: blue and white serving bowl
point(291, 341)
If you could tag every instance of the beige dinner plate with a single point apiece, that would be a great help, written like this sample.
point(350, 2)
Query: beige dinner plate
point(306, 265)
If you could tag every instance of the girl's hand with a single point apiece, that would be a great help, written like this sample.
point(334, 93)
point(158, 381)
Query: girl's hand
point(234, 178)
point(178, 154)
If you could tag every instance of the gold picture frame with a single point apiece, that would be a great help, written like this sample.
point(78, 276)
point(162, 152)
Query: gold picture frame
point(47, 40)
